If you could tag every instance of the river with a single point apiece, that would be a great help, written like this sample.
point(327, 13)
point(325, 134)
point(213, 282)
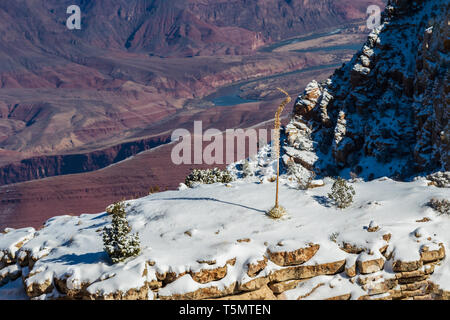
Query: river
point(230, 95)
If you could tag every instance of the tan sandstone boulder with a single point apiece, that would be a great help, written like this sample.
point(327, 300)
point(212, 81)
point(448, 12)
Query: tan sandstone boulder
point(292, 258)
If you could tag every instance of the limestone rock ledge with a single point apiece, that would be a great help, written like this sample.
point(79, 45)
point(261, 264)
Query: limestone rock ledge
point(277, 275)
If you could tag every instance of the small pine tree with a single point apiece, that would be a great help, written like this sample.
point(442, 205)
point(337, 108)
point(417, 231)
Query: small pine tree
point(303, 182)
point(117, 240)
point(440, 205)
point(208, 176)
point(246, 169)
point(154, 190)
point(341, 193)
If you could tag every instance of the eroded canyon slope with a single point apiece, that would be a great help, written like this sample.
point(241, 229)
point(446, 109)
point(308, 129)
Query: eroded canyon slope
point(74, 102)
point(67, 91)
point(176, 27)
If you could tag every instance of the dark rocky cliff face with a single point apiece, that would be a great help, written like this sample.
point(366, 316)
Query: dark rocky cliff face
point(386, 111)
point(55, 165)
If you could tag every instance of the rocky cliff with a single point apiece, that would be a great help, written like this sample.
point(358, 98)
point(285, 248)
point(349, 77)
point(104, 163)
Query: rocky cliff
point(386, 111)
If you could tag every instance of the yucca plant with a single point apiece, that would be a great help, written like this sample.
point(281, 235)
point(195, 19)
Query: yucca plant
point(278, 211)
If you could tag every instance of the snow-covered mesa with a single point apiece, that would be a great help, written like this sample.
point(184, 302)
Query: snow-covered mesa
point(217, 241)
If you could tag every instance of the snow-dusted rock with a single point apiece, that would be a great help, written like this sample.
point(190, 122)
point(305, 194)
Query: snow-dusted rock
point(440, 179)
point(369, 263)
point(291, 258)
point(386, 111)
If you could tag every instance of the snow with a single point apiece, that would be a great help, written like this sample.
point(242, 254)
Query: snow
point(13, 291)
point(218, 215)
point(11, 240)
point(324, 287)
point(442, 275)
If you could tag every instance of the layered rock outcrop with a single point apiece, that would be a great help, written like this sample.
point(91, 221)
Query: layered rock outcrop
point(365, 276)
point(385, 113)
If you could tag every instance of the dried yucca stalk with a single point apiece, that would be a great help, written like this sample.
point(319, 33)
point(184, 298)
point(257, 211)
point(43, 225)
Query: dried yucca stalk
point(278, 211)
